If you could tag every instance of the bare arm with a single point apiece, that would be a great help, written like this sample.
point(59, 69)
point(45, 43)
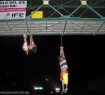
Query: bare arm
point(62, 51)
point(32, 41)
point(25, 40)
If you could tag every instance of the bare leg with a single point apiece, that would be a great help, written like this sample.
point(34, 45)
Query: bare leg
point(66, 88)
point(31, 39)
point(25, 41)
point(62, 88)
point(25, 37)
point(62, 85)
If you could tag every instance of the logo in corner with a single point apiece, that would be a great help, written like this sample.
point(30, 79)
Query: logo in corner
point(7, 14)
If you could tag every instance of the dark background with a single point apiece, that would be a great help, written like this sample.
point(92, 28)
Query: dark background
point(84, 54)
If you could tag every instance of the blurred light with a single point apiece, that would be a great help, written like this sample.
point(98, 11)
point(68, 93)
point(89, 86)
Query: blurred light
point(57, 88)
point(51, 92)
point(83, 2)
point(36, 88)
point(40, 88)
point(46, 79)
point(45, 2)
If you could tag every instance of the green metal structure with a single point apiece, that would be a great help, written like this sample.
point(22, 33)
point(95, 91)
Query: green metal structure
point(61, 17)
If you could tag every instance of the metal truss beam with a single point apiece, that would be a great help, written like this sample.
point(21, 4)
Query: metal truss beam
point(80, 27)
point(36, 10)
point(100, 27)
point(83, 26)
point(71, 22)
point(95, 11)
point(9, 27)
point(74, 11)
point(52, 26)
point(65, 6)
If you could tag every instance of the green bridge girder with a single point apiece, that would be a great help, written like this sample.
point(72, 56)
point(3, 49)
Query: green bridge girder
point(53, 26)
point(64, 17)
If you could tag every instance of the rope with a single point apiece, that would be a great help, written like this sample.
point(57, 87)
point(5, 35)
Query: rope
point(29, 27)
point(61, 36)
point(61, 41)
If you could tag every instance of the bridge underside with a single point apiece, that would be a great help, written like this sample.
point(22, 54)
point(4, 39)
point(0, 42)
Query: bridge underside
point(53, 26)
point(61, 17)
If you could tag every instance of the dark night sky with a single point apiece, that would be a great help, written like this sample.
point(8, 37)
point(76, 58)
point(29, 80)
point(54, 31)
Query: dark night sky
point(84, 54)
